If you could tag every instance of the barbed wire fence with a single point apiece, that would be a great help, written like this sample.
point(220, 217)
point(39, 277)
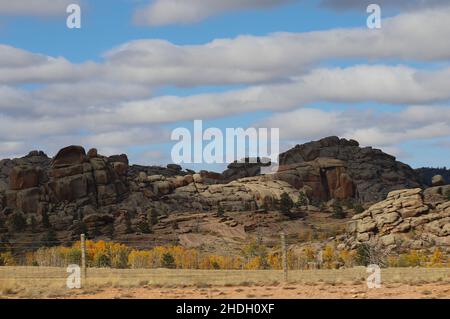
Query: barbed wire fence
point(289, 269)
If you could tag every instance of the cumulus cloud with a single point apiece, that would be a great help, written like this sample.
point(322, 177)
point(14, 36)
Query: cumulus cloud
point(404, 4)
point(244, 59)
point(34, 7)
point(371, 127)
point(164, 12)
point(111, 103)
point(394, 85)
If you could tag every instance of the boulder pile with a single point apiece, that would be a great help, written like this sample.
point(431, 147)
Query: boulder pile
point(404, 220)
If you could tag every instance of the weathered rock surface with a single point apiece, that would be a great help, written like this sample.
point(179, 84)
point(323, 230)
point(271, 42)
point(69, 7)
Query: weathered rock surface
point(321, 179)
point(244, 194)
point(437, 180)
point(404, 219)
point(373, 172)
point(78, 192)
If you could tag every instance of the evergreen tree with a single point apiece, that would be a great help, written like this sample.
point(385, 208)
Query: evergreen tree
point(50, 239)
point(286, 204)
point(168, 261)
point(33, 224)
point(17, 222)
point(154, 214)
point(45, 220)
point(302, 200)
point(338, 212)
point(220, 211)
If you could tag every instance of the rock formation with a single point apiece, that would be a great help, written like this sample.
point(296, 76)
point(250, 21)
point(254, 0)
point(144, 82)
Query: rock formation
point(373, 172)
point(76, 191)
point(404, 220)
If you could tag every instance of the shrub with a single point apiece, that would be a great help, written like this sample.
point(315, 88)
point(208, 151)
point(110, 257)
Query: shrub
point(50, 238)
point(128, 228)
point(6, 259)
point(220, 211)
point(102, 260)
point(33, 224)
point(286, 204)
point(45, 220)
point(371, 253)
point(338, 212)
point(154, 214)
point(168, 261)
point(322, 207)
point(302, 200)
point(17, 222)
point(447, 194)
point(139, 259)
point(437, 259)
point(73, 256)
point(358, 209)
point(348, 203)
point(266, 205)
point(256, 253)
point(144, 227)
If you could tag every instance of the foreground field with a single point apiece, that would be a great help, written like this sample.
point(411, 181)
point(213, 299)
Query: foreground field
point(43, 282)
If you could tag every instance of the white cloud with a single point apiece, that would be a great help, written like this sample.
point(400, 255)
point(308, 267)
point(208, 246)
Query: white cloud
point(418, 36)
point(34, 7)
point(361, 5)
point(370, 127)
point(383, 84)
point(164, 12)
point(110, 103)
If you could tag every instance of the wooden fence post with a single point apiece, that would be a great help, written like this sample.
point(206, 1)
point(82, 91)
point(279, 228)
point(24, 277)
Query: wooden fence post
point(83, 259)
point(284, 252)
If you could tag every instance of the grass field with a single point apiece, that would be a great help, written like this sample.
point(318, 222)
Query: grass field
point(48, 282)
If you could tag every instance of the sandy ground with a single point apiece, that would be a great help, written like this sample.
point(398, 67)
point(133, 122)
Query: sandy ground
point(319, 291)
point(48, 282)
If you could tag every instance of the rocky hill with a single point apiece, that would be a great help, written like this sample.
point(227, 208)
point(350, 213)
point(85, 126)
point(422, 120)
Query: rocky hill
point(77, 192)
point(406, 219)
point(373, 172)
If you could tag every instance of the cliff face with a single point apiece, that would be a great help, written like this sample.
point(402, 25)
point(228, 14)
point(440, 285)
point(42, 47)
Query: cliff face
point(77, 191)
point(373, 172)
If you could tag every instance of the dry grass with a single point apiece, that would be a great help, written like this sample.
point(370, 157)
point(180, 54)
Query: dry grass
point(48, 282)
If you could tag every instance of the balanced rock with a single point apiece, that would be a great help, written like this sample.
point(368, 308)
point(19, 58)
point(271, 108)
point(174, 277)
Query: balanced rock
point(437, 180)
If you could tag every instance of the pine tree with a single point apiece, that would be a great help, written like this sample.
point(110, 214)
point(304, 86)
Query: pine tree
point(168, 261)
point(50, 238)
point(286, 204)
point(154, 214)
point(302, 200)
point(33, 224)
point(220, 211)
point(45, 220)
point(338, 212)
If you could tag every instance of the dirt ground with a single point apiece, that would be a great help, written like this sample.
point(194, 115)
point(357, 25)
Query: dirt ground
point(319, 291)
point(51, 282)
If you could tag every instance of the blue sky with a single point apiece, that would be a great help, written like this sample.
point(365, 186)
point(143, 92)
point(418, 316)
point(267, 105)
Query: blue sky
point(100, 86)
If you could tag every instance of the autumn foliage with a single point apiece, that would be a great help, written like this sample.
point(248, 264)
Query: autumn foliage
point(252, 256)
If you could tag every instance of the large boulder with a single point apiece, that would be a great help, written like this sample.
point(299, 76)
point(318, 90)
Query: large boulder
point(71, 155)
point(437, 180)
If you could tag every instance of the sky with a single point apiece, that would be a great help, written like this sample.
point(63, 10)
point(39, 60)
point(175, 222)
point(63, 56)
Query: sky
point(137, 69)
